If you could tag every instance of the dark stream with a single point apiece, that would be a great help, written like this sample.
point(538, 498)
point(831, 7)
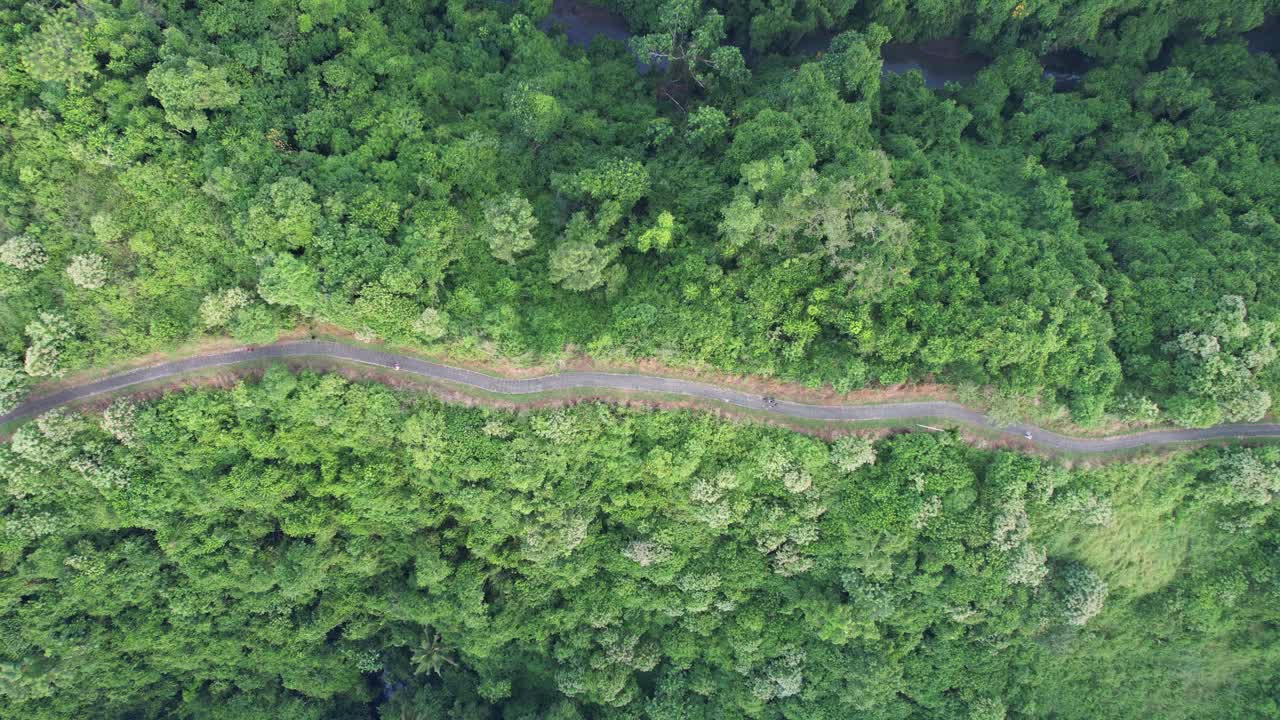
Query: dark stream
point(939, 61)
point(946, 61)
point(1265, 39)
point(582, 21)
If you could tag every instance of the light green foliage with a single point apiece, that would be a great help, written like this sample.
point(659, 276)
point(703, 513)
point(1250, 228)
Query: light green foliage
point(577, 262)
point(432, 324)
point(1246, 478)
point(616, 184)
point(537, 115)
point(217, 309)
point(13, 384)
point(1085, 594)
point(290, 281)
point(307, 537)
point(23, 253)
point(234, 309)
point(255, 324)
point(987, 709)
point(1086, 507)
point(707, 125)
point(1027, 566)
point(188, 88)
point(120, 421)
point(42, 360)
point(851, 452)
point(688, 42)
point(47, 335)
point(49, 439)
point(89, 271)
point(384, 312)
point(60, 52)
point(284, 216)
point(508, 227)
point(1137, 408)
point(106, 228)
point(852, 63)
point(659, 236)
point(1218, 364)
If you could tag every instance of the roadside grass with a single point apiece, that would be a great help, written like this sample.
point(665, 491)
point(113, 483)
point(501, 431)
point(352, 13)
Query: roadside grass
point(220, 376)
point(1153, 537)
point(1182, 679)
point(471, 355)
point(466, 355)
point(982, 437)
point(1141, 549)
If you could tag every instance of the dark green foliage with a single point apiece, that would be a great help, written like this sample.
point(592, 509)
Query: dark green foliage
point(303, 547)
point(465, 177)
point(447, 172)
point(816, 223)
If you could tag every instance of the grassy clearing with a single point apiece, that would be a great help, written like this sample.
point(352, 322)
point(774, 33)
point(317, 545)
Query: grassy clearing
point(1140, 551)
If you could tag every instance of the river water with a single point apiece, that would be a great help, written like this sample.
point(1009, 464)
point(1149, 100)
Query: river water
point(939, 61)
point(1265, 39)
point(581, 22)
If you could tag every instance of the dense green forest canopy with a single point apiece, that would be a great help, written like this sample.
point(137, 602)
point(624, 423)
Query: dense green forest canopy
point(713, 192)
point(304, 547)
point(451, 174)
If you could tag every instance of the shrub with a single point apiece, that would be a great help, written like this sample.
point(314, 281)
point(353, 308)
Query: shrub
point(1085, 596)
point(118, 420)
point(646, 552)
point(48, 333)
point(508, 227)
point(1027, 566)
point(851, 452)
point(88, 271)
point(432, 324)
point(218, 308)
point(13, 384)
point(23, 253)
point(1246, 479)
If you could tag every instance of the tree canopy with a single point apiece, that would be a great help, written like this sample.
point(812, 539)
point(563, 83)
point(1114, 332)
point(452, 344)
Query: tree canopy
point(300, 546)
point(738, 187)
point(338, 162)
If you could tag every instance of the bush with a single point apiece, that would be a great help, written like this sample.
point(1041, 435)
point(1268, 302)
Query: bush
point(851, 452)
point(88, 271)
point(1245, 479)
point(48, 333)
point(1027, 566)
point(23, 253)
point(13, 384)
point(218, 308)
point(432, 324)
point(1085, 595)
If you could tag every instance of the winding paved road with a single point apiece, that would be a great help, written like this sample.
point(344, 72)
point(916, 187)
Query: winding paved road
point(911, 413)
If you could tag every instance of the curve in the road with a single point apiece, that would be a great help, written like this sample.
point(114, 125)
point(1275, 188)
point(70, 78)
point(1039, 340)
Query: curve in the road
point(909, 412)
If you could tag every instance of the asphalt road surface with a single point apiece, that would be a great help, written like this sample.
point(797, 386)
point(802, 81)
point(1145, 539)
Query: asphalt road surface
point(910, 413)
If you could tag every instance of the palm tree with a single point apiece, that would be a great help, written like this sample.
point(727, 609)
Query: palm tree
point(432, 656)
